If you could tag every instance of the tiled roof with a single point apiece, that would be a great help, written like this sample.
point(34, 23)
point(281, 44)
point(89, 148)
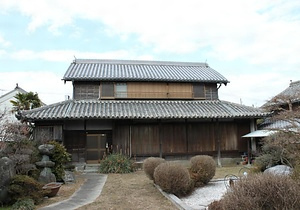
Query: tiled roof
point(293, 91)
point(124, 70)
point(290, 93)
point(106, 109)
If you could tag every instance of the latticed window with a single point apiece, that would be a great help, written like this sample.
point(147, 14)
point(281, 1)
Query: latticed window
point(107, 90)
point(199, 91)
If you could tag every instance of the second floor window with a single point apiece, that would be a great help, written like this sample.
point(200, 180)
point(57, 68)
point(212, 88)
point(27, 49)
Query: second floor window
point(121, 90)
point(199, 91)
point(107, 90)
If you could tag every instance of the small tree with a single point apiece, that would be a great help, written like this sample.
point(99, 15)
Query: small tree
point(285, 109)
point(18, 148)
point(26, 101)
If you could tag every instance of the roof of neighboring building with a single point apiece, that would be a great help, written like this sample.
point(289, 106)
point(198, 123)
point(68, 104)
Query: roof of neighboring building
point(290, 93)
point(128, 109)
point(11, 94)
point(126, 70)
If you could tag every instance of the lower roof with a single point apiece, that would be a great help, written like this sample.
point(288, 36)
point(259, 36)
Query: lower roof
point(146, 109)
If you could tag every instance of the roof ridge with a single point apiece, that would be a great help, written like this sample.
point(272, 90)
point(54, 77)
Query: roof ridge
point(141, 62)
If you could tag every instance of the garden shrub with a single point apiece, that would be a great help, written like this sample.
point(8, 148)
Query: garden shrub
point(116, 163)
point(24, 154)
point(173, 178)
point(271, 156)
point(26, 204)
point(202, 170)
point(150, 164)
point(24, 187)
point(261, 191)
point(60, 157)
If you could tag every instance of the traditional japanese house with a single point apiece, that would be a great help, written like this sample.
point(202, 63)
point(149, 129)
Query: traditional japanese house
point(144, 108)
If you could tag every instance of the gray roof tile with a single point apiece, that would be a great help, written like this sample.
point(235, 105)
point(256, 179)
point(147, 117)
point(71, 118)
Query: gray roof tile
point(124, 70)
point(127, 109)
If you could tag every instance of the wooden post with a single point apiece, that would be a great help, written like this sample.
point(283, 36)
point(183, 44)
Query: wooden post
point(160, 139)
point(218, 143)
point(186, 138)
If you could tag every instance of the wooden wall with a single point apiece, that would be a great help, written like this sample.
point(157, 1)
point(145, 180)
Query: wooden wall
point(145, 90)
point(181, 138)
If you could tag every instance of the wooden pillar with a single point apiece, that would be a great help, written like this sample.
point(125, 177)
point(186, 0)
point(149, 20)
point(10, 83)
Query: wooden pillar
point(186, 138)
point(218, 136)
point(160, 139)
point(252, 143)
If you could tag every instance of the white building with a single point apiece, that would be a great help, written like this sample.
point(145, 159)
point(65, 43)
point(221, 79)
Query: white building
point(6, 106)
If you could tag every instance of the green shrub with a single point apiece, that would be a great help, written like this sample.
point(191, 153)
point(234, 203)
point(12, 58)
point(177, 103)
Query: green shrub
point(261, 191)
point(203, 169)
point(26, 204)
point(116, 163)
point(150, 164)
point(173, 178)
point(60, 157)
point(271, 156)
point(24, 187)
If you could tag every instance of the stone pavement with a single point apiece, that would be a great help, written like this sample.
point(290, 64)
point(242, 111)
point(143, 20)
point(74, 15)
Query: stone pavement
point(86, 194)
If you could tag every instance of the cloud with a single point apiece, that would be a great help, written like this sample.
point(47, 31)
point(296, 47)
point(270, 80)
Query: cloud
point(260, 32)
point(66, 55)
point(3, 42)
point(254, 89)
point(49, 86)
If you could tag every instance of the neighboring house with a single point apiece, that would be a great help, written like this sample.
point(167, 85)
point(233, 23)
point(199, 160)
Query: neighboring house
point(6, 106)
point(144, 108)
point(288, 99)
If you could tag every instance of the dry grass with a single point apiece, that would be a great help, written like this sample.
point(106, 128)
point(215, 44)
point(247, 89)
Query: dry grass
point(221, 172)
point(64, 192)
point(127, 191)
point(130, 191)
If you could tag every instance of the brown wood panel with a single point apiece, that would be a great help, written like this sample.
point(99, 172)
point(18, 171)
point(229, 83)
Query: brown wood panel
point(243, 129)
point(173, 138)
point(228, 132)
point(180, 90)
point(201, 137)
point(147, 90)
point(121, 139)
point(144, 140)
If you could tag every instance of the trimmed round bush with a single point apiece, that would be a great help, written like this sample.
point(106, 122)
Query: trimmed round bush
point(173, 178)
point(150, 164)
point(203, 169)
point(261, 191)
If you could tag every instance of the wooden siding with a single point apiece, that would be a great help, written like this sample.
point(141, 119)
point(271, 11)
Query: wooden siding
point(181, 138)
point(154, 90)
point(144, 140)
point(147, 90)
point(86, 90)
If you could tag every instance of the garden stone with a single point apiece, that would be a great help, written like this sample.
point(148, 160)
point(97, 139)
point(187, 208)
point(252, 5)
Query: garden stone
point(46, 149)
point(69, 177)
point(7, 171)
point(46, 176)
point(279, 170)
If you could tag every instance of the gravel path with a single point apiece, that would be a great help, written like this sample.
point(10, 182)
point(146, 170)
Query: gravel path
point(203, 196)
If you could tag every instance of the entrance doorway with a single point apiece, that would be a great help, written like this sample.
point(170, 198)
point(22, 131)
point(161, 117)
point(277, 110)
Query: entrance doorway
point(95, 147)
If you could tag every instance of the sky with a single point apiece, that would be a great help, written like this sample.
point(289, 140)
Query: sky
point(253, 43)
